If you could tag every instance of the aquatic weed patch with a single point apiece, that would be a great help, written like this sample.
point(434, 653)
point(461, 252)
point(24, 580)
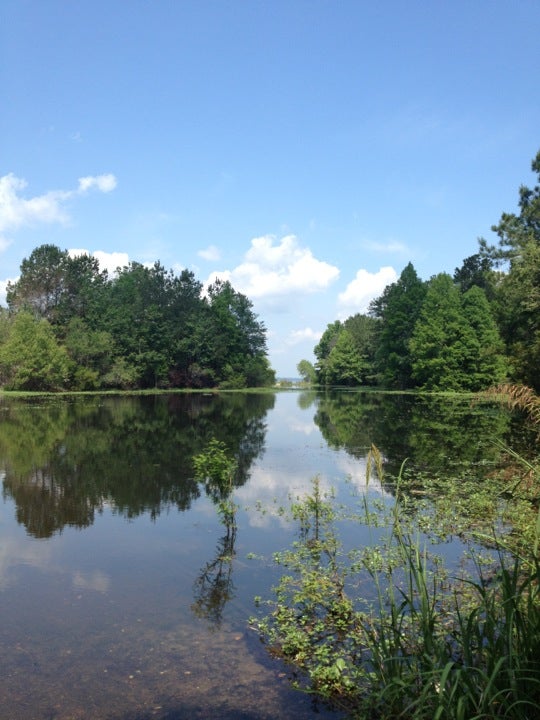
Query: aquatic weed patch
point(389, 631)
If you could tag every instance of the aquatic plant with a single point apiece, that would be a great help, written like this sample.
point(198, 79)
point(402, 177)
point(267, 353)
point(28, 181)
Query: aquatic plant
point(388, 632)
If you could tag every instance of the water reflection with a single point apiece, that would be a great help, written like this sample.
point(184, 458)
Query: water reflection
point(65, 460)
point(214, 585)
point(435, 434)
point(108, 618)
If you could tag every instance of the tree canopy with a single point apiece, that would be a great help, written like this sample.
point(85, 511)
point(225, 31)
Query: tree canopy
point(71, 326)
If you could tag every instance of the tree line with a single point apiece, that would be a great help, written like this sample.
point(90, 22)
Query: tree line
point(468, 331)
point(71, 326)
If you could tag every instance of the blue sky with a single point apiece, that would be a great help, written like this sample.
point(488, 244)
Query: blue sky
point(305, 150)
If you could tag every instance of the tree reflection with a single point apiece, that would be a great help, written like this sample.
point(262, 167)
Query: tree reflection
point(214, 586)
point(64, 459)
point(436, 434)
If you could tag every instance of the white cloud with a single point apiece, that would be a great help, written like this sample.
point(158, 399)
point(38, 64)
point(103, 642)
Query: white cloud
point(365, 287)
point(272, 270)
point(211, 253)
point(109, 261)
point(17, 211)
point(298, 336)
point(103, 183)
point(355, 470)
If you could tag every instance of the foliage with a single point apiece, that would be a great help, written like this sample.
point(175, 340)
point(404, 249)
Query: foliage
point(64, 458)
point(476, 271)
point(517, 301)
point(30, 357)
point(455, 343)
point(144, 327)
point(345, 365)
point(307, 372)
point(386, 632)
point(345, 352)
point(398, 309)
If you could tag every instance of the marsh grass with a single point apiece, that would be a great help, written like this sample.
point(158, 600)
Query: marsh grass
point(391, 634)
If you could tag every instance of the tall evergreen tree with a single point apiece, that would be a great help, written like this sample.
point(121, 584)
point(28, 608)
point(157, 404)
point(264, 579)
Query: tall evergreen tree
point(456, 344)
point(398, 309)
point(486, 365)
point(443, 341)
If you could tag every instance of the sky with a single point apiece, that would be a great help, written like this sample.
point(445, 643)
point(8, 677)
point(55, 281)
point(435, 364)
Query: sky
point(305, 150)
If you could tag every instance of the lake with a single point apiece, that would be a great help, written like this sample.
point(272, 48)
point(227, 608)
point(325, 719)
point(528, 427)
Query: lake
point(123, 595)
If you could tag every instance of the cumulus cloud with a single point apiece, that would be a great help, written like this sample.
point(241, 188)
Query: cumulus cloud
point(211, 253)
point(109, 261)
point(298, 336)
point(365, 287)
point(272, 269)
point(17, 211)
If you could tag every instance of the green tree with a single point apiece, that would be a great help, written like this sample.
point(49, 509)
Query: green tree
point(91, 351)
point(31, 358)
point(345, 365)
point(324, 347)
point(57, 287)
point(144, 327)
point(476, 271)
point(517, 298)
point(235, 339)
point(363, 330)
point(444, 346)
point(486, 363)
point(398, 309)
point(41, 283)
point(307, 372)
point(518, 311)
point(138, 321)
point(83, 291)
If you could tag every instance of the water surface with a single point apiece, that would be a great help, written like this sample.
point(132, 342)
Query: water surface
point(123, 595)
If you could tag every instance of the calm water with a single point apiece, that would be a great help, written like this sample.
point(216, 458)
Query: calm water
point(122, 595)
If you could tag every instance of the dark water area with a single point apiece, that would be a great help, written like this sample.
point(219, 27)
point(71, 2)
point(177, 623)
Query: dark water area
point(122, 593)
